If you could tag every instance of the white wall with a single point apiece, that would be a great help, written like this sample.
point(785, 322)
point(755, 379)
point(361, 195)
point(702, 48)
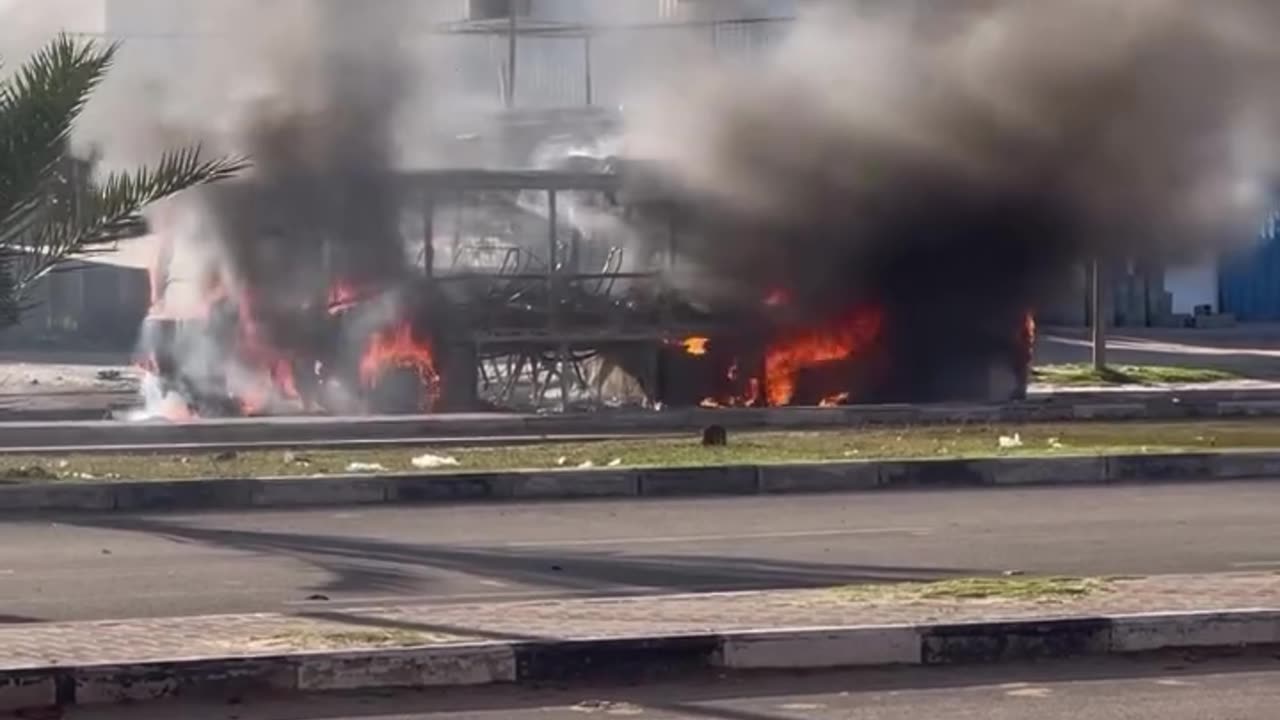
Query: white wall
point(1193, 285)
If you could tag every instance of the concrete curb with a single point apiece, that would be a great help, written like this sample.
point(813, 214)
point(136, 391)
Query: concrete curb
point(261, 432)
point(639, 658)
point(740, 480)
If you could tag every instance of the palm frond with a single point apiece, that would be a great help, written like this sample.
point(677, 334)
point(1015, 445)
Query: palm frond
point(111, 211)
point(39, 105)
point(51, 209)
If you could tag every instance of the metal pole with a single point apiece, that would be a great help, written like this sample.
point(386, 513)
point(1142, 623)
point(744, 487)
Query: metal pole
point(1098, 301)
point(586, 53)
point(553, 287)
point(429, 234)
point(511, 55)
point(566, 384)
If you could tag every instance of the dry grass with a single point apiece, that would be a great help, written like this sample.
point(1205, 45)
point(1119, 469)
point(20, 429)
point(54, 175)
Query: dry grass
point(320, 639)
point(1026, 589)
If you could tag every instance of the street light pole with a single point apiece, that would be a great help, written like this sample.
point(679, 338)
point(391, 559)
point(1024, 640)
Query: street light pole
point(512, 35)
point(1098, 301)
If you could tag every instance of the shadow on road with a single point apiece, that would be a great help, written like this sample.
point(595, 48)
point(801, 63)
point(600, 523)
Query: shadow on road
point(385, 623)
point(18, 620)
point(364, 566)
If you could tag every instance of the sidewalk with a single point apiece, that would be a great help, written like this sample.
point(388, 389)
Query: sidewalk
point(240, 636)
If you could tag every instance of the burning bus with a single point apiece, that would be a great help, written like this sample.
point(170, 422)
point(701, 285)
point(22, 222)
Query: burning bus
point(527, 290)
point(810, 229)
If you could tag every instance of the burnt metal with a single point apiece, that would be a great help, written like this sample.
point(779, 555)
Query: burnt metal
point(526, 309)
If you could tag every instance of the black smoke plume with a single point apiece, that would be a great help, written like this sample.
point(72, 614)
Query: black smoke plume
point(317, 110)
point(954, 166)
point(323, 204)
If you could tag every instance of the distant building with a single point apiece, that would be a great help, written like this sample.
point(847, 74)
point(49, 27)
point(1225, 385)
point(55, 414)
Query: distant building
point(96, 301)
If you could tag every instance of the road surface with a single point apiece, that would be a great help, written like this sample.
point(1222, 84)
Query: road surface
point(1157, 403)
point(118, 566)
point(1167, 689)
point(1251, 350)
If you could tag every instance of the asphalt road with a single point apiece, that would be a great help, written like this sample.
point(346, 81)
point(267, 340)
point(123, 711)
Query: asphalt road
point(1168, 689)
point(118, 566)
point(1192, 401)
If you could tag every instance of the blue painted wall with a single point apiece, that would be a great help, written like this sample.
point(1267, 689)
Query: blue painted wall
point(1249, 282)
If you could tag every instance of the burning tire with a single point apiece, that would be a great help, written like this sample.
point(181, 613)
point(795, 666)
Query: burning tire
point(400, 391)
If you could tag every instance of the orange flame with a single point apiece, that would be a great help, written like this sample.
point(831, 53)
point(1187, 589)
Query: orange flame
point(747, 398)
point(835, 400)
point(785, 359)
point(274, 367)
point(696, 346)
point(396, 347)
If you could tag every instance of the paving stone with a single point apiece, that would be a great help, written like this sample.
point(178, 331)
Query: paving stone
point(132, 641)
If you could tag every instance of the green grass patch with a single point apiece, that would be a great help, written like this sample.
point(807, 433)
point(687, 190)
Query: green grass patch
point(879, 443)
point(1027, 589)
point(1085, 374)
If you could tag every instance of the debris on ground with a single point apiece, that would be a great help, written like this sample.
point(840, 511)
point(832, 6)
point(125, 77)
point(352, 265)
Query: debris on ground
point(1009, 442)
point(293, 458)
point(361, 467)
point(715, 436)
point(430, 461)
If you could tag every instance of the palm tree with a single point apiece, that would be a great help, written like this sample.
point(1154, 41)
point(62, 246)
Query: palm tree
point(51, 207)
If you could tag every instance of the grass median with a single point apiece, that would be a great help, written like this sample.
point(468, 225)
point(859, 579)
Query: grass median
point(744, 448)
point(1026, 589)
point(1084, 374)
